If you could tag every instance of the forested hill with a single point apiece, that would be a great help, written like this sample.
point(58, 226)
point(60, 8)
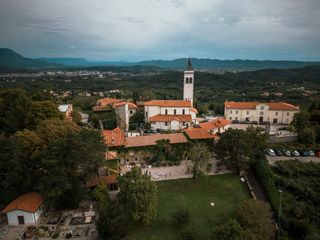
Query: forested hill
point(10, 60)
point(223, 65)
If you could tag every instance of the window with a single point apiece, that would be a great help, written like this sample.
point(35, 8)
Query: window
point(261, 113)
point(237, 112)
point(288, 113)
point(275, 120)
point(190, 80)
point(166, 123)
point(174, 111)
point(187, 80)
point(166, 111)
point(231, 111)
point(131, 112)
point(247, 112)
point(276, 113)
point(183, 112)
point(230, 118)
point(183, 123)
point(236, 118)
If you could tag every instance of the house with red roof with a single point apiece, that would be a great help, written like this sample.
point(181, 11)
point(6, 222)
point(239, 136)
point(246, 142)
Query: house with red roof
point(273, 112)
point(215, 126)
point(25, 209)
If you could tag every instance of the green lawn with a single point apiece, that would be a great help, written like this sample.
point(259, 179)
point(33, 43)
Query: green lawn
point(226, 191)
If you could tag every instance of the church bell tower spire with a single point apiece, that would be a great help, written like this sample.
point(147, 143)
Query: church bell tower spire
point(188, 82)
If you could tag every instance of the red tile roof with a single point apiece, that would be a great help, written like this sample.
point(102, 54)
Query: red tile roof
point(253, 105)
point(168, 103)
point(194, 110)
point(108, 101)
point(198, 133)
point(110, 155)
point(213, 124)
point(101, 180)
point(130, 105)
point(169, 118)
point(141, 141)
point(113, 138)
point(104, 103)
point(29, 202)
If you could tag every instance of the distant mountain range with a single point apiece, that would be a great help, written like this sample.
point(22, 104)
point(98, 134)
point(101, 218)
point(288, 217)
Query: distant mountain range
point(10, 60)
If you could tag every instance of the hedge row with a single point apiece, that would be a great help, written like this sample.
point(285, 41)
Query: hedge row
point(266, 178)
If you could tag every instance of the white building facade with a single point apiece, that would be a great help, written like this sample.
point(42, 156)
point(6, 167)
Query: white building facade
point(273, 112)
point(169, 114)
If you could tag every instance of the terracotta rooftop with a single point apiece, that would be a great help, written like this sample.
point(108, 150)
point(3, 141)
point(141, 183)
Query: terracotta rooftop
point(141, 141)
point(169, 118)
point(213, 124)
point(110, 155)
point(198, 133)
point(113, 138)
point(108, 101)
point(253, 105)
point(168, 103)
point(29, 202)
point(194, 110)
point(131, 105)
point(101, 180)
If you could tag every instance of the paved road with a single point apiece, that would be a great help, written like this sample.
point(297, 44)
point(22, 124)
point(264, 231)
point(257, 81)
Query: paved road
point(274, 159)
point(175, 172)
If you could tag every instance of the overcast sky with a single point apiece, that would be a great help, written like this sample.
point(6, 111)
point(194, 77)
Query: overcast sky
point(162, 29)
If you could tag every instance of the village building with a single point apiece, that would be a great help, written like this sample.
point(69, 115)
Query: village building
point(188, 84)
point(26, 209)
point(215, 126)
point(169, 114)
point(273, 112)
point(105, 104)
point(66, 109)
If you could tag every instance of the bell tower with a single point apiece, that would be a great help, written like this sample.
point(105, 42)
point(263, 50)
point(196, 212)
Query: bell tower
point(188, 82)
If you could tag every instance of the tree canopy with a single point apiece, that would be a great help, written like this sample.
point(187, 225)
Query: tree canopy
point(138, 193)
point(199, 154)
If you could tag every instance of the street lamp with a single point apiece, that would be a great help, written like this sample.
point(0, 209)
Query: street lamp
point(279, 214)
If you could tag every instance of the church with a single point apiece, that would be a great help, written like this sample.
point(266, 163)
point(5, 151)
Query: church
point(174, 114)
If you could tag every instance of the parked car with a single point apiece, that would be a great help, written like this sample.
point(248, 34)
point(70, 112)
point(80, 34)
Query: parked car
point(287, 153)
point(270, 152)
point(304, 153)
point(278, 152)
point(311, 153)
point(295, 153)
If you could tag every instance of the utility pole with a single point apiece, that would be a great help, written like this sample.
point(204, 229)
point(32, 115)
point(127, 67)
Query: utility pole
point(279, 214)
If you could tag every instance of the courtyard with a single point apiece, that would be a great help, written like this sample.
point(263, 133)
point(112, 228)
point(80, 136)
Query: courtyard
point(226, 191)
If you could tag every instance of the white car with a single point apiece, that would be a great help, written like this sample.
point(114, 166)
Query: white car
point(271, 152)
point(295, 153)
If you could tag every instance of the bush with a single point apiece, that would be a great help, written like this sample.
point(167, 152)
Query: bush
point(266, 178)
point(181, 218)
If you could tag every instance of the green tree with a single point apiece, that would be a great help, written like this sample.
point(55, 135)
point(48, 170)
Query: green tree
point(44, 110)
point(181, 218)
point(138, 193)
point(256, 219)
point(307, 136)
point(14, 110)
point(199, 154)
point(301, 120)
point(137, 119)
point(230, 230)
point(240, 147)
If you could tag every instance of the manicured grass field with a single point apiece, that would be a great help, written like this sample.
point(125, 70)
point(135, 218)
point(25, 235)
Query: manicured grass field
point(225, 191)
